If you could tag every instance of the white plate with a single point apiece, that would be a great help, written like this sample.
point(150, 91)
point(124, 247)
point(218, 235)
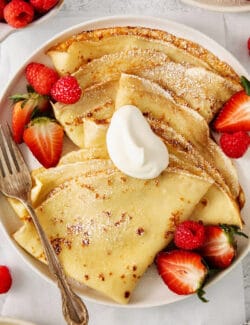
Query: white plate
point(221, 5)
point(150, 291)
point(12, 321)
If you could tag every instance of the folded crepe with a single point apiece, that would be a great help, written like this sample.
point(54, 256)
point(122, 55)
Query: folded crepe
point(203, 90)
point(110, 234)
point(97, 104)
point(165, 112)
point(88, 120)
point(69, 55)
point(193, 74)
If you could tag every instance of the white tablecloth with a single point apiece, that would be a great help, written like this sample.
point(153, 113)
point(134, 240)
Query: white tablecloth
point(32, 298)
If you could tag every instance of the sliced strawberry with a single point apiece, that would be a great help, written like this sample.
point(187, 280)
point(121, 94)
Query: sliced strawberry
point(235, 114)
point(182, 271)
point(220, 247)
point(44, 137)
point(24, 107)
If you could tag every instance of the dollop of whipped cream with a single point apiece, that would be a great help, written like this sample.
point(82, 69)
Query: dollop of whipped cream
point(132, 145)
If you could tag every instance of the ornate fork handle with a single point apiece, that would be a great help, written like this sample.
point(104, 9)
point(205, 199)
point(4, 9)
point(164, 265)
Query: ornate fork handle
point(15, 182)
point(74, 310)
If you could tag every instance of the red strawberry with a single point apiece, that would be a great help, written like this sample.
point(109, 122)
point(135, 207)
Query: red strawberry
point(182, 271)
point(43, 6)
point(234, 145)
point(235, 114)
point(5, 279)
point(41, 77)
point(44, 137)
point(248, 45)
point(220, 247)
point(3, 3)
point(66, 90)
point(189, 235)
point(18, 13)
point(25, 106)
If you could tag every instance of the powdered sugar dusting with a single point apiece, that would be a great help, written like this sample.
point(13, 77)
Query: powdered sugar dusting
point(155, 88)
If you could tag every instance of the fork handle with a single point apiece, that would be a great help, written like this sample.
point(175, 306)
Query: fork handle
point(74, 310)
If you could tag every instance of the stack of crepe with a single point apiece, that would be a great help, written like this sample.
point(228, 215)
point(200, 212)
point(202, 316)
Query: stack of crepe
point(107, 227)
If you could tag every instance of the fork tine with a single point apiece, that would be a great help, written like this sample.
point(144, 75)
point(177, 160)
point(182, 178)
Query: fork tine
point(1, 165)
point(5, 162)
point(11, 155)
point(17, 155)
point(12, 146)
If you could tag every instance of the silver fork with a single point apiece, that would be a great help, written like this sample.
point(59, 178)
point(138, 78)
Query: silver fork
point(15, 182)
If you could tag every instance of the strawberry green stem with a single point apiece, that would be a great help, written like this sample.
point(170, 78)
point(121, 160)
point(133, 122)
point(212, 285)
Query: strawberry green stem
point(246, 84)
point(200, 293)
point(233, 230)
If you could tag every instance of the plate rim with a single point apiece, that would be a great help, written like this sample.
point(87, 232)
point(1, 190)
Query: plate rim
point(146, 21)
point(220, 8)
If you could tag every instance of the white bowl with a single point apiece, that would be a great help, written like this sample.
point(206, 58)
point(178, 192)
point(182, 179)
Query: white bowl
point(150, 291)
point(221, 5)
point(6, 30)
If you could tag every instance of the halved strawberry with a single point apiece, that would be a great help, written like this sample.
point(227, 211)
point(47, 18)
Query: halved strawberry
point(219, 249)
point(44, 137)
point(235, 114)
point(182, 271)
point(24, 107)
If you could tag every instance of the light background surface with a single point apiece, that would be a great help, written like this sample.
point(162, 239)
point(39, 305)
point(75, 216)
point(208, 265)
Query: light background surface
point(32, 298)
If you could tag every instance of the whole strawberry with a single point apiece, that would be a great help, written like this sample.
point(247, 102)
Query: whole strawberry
point(66, 90)
point(248, 45)
point(42, 6)
point(189, 235)
point(5, 279)
point(234, 145)
point(18, 13)
point(3, 3)
point(41, 77)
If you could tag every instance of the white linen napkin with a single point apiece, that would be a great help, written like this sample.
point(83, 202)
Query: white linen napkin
point(31, 297)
